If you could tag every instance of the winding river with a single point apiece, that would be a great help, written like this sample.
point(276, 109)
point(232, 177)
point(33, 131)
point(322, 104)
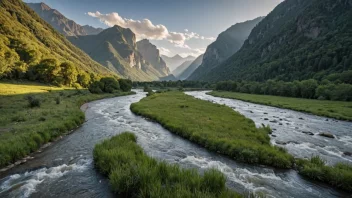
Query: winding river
point(65, 168)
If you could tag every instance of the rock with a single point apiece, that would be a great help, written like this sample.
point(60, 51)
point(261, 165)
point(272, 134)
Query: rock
point(266, 118)
point(327, 120)
point(280, 142)
point(347, 153)
point(273, 135)
point(328, 135)
point(280, 123)
point(308, 132)
point(251, 111)
point(266, 113)
point(273, 121)
point(292, 142)
point(301, 118)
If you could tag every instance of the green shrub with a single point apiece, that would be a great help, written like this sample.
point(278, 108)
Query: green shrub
point(110, 85)
point(33, 101)
point(96, 87)
point(125, 85)
point(58, 100)
point(134, 174)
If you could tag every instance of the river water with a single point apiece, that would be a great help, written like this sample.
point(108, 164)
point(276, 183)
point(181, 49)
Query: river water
point(65, 168)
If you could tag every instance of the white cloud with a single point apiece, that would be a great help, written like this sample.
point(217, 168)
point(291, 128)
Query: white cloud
point(164, 51)
point(146, 29)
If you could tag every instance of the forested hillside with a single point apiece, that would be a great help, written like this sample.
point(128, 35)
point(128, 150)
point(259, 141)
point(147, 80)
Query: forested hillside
point(298, 40)
point(31, 49)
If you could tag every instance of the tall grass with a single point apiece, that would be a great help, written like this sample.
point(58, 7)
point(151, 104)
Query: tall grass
point(24, 129)
point(339, 175)
point(334, 109)
point(213, 126)
point(134, 174)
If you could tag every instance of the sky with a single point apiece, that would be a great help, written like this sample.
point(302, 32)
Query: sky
point(184, 27)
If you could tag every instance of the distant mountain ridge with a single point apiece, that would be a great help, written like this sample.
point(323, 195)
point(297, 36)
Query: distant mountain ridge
point(116, 48)
point(175, 61)
point(226, 44)
point(62, 24)
point(191, 68)
point(180, 69)
point(298, 40)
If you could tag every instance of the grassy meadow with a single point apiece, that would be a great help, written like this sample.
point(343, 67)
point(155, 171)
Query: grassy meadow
point(339, 175)
point(134, 174)
point(333, 109)
point(216, 127)
point(32, 114)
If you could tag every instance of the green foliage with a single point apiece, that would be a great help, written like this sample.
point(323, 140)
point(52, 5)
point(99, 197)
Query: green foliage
point(106, 85)
point(31, 49)
point(333, 109)
point(33, 101)
point(339, 175)
point(216, 127)
point(24, 130)
point(134, 174)
point(96, 87)
point(311, 89)
point(125, 84)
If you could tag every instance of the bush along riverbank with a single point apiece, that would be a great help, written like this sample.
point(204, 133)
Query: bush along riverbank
point(339, 175)
point(333, 109)
point(34, 114)
point(134, 174)
point(216, 127)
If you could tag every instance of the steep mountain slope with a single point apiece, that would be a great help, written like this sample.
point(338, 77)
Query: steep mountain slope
point(62, 24)
point(116, 49)
point(227, 44)
point(180, 69)
point(191, 68)
point(175, 61)
point(26, 39)
point(92, 30)
point(151, 54)
point(297, 40)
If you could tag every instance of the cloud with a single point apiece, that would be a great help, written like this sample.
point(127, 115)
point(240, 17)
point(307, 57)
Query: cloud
point(164, 51)
point(146, 29)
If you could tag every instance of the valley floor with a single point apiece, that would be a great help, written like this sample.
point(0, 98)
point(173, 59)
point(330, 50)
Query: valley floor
point(333, 109)
point(33, 114)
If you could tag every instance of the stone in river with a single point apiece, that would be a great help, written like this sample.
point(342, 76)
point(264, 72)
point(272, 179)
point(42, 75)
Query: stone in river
point(328, 135)
point(347, 153)
point(308, 132)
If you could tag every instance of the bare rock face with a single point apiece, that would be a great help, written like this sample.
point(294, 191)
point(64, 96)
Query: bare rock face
point(151, 54)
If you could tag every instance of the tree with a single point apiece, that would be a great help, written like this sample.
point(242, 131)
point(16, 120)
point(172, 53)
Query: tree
point(125, 84)
point(47, 70)
point(83, 79)
point(308, 88)
point(68, 73)
point(110, 84)
point(96, 87)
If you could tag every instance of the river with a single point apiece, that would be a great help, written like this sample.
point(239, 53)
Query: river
point(65, 168)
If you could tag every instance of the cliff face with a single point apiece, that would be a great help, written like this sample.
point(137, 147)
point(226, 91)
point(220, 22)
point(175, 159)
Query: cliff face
point(151, 54)
point(227, 44)
point(299, 39)
point(116, 48)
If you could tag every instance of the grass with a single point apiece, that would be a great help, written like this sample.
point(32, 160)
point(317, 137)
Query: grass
point(134, 174)
point(333, 109)
point(339, 175)
point(216, 127)
point(30, 116)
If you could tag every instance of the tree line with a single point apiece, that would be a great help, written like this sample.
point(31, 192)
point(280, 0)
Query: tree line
point(310, 89)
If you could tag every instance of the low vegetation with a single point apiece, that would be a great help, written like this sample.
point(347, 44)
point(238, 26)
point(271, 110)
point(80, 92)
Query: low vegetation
point(213, 126)
point(339, 176)
point(110, 85)
point(134, 174)
point(333, 109)
point(37, 114)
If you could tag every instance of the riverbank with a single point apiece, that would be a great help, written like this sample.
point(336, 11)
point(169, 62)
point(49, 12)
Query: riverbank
point(216, 127)
point(33, 114)
point(332, 109)
point(134, 174)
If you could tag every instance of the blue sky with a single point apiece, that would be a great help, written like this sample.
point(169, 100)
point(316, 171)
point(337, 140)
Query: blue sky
point(175, 26)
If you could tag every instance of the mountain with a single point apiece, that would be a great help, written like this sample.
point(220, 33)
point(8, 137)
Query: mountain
point(26, 40)
point(62, 24)
point(91, 30)
point(151, 54)
point(227, 44)
point(191, 68)
point(298, 40)
point(181, 68)
point(116, 48)
point(175, 61)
